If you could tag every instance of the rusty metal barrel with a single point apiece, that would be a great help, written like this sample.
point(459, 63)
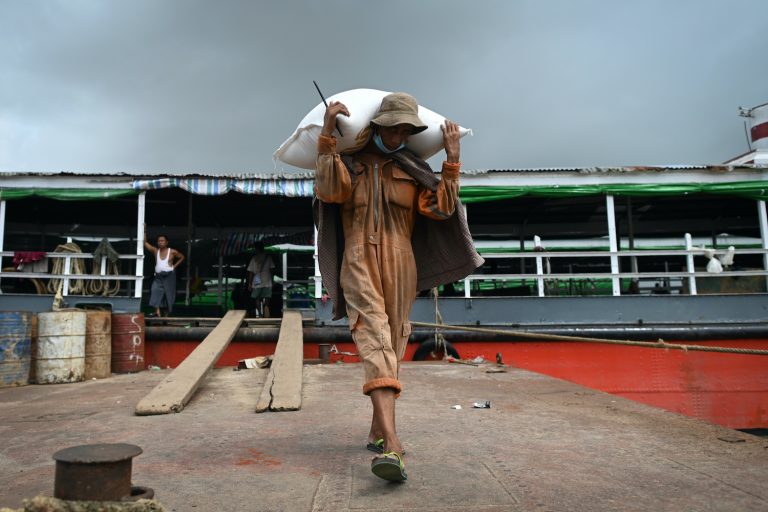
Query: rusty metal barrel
point(15, 347)
point(98, 344)
point(60, 351)
point(127, 342)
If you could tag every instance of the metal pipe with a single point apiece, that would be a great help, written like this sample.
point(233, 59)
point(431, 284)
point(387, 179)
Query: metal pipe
point(330, 334)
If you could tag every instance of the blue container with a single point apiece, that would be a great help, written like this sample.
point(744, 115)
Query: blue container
point(15, 348)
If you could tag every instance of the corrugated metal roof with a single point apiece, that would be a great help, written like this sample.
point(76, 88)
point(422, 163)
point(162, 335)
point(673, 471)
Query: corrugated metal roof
point(300, 175)
point(622, 169)
point(164, 174)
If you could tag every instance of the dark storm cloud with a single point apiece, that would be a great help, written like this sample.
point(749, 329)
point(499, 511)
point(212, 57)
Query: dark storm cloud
point(182, 86)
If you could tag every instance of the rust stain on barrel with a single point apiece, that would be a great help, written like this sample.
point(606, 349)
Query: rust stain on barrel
point(98, 344)
point(127, 342)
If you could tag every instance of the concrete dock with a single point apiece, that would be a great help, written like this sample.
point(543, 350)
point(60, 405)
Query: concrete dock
point(544, 445)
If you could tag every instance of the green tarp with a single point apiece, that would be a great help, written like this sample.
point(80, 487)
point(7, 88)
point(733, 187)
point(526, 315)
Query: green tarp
point(474, 194)
point(746, 189)
point(63, 194)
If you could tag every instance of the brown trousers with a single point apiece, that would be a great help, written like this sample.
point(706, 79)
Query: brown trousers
point(379, 283)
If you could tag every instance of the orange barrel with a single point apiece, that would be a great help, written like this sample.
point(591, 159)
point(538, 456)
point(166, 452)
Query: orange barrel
point(15, 347)
point(98, 344)
point(60, 353)
point(127, 342)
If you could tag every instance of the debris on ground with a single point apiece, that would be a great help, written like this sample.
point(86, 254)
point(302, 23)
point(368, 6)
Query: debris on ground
point(452, 359)
point(255, 362)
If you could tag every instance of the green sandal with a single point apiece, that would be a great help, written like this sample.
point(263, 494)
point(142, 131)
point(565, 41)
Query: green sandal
point(376, 446)
point(389, 466)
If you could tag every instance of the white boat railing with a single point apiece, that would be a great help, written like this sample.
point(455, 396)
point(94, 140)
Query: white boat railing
point(67, 276)
point(135, 275)
point(542, 277)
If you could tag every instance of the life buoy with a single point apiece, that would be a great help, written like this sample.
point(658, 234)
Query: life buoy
point(423, 353)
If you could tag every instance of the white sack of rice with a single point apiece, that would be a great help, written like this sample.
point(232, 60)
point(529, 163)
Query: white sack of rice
point(300, 149)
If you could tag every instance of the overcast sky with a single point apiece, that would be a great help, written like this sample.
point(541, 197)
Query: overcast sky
point(216, 86)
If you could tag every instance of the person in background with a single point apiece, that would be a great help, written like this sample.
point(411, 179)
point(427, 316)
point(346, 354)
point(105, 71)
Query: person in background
point(260, 276)
point(163, 291)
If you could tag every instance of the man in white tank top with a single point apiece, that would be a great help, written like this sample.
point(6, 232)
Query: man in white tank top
point(163, 291)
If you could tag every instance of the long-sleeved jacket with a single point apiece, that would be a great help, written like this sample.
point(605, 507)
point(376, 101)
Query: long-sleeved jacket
point(396, 195)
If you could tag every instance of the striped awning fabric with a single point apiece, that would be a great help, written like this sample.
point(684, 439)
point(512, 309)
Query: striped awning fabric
point(238, 243)
point(219, 186)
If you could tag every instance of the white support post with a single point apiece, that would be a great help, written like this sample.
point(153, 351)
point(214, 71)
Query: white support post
point(67, 271)
point(285, 277)
point(539, 267)
point(539, 279)
point(318, 277)
point(761, 214)
point(613, 244)
point(2, 232)
point(141, 208)
point(689, 264)
point(467, 282)
point(220, 296)
point(188, 266)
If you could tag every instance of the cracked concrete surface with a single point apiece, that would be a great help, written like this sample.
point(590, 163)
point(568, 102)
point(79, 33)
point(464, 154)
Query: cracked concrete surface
point(545, 445)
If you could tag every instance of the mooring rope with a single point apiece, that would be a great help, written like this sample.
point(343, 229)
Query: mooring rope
point(103, 287)
point(440, 342)
point(559, 337)
point(77, 266)
point(104, 252)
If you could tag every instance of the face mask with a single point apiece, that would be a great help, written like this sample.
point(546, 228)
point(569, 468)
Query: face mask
point(379, 144)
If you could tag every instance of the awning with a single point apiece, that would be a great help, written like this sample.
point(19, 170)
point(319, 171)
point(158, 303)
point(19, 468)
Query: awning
point(746, 189)
point(219, 186)
point(64, 194)
point(304, 187)
point(238, 243)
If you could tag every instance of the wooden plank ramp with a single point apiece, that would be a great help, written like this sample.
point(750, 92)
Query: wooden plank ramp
point(282, 389)
point(175, 391)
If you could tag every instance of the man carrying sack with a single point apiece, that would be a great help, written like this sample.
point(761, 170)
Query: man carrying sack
point(387, 228)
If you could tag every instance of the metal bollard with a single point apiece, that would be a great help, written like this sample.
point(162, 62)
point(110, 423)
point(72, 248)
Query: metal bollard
point(325, 352)
point(97, 472)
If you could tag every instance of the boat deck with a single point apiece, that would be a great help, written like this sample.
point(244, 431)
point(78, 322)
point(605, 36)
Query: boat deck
point(544, 445)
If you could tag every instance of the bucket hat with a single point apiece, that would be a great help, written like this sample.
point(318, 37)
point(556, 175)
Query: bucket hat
point(399, 108)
